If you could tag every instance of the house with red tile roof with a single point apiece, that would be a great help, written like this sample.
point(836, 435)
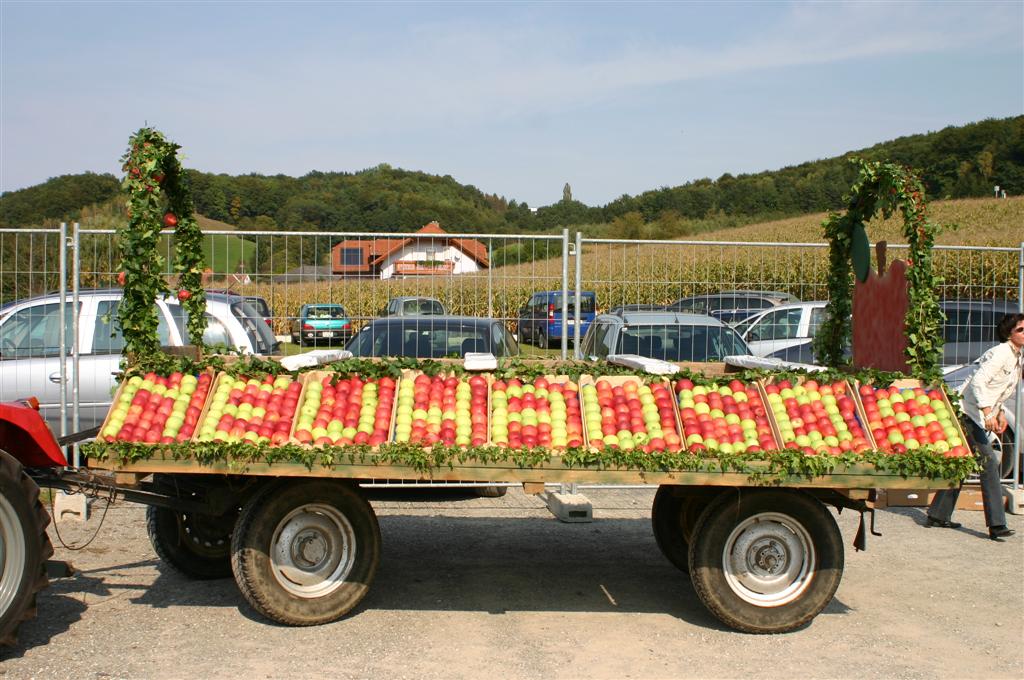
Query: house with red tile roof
point(431, 251)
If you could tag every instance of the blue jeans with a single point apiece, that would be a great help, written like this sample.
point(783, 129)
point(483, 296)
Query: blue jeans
point(991, 490)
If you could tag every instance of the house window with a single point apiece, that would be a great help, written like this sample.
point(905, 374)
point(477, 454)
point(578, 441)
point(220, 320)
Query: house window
point(352, 256)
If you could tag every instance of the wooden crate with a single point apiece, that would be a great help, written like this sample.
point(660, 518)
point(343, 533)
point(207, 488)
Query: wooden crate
point(616, 381)
point(914, 383)
point(850, 390)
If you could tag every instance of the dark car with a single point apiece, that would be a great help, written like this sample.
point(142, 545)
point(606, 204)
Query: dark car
point(731, 306)
point(622, 309)
point(540, 321)
point(661, 335)
point(433, 337)
point(970, 327)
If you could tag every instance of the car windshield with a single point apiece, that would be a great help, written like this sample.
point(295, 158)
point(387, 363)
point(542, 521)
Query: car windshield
point(424, 340)
point(325, 312)
point(680, 342)
point(424, 306)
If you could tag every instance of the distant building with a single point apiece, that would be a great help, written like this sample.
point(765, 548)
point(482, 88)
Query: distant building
point(431, 251)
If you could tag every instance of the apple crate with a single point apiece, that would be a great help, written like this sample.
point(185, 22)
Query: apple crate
point(913, 383)
point(617, 381)
point(858, 412)
point(551, 379)
point(411, 375)
point(123, 385)
point(724, 380)
point(318, 376)
point(224, 376)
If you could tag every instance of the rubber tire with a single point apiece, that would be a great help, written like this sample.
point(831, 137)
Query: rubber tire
point(706, 557)
point(182, 549)
point(21, 495)
point(490, 491)
point(542, 339)
point(251, 547)
point(673, 517)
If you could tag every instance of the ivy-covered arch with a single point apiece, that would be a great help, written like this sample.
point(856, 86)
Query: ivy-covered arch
point(158, 197)
point(883, 188)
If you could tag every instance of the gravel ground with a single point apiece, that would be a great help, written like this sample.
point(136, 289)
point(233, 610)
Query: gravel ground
point(497, 587)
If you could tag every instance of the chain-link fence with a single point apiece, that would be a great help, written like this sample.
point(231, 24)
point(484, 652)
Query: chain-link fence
point(321, 289)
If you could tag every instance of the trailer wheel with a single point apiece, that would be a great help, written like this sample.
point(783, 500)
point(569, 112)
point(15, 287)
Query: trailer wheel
point(766, 561)
point(197, 546)
point(673, 517)
point(305, 552)
point(24, 547)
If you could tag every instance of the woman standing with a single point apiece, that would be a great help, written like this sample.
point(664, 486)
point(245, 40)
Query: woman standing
point(999, 371)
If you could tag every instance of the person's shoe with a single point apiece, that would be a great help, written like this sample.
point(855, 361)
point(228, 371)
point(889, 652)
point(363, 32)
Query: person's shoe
point(944, 523)
point(1000, 532)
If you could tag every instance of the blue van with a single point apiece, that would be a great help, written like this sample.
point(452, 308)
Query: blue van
point(540, 321)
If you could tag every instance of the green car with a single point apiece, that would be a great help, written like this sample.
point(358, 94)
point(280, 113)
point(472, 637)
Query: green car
point(327, 323)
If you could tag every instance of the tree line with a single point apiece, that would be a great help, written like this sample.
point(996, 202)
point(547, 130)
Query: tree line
point(956, 162)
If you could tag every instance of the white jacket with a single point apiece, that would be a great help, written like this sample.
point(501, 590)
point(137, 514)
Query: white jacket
point(998, 372)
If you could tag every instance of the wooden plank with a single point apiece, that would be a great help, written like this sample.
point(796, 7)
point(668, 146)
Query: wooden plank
point(854, 477)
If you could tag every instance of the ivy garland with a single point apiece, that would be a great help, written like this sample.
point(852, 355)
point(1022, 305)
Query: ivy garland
point(158, 197)
point(762, 467)
point(884, 188)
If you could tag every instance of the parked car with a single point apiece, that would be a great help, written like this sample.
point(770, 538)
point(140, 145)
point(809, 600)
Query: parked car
point(970, 328)
point(322, 321)
point(255, 301)
point(621, 309)
point(30, 345)
point(968, 331)
point(540, 320)
point(730, 306)
point(781, 327)
point(433, 337)
point(413, 306)
point(661, 335)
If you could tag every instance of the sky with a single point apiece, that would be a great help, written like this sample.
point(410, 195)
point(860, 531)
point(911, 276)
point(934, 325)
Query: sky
point(514, 98)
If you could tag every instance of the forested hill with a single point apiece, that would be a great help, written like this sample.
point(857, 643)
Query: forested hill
point(955, 162)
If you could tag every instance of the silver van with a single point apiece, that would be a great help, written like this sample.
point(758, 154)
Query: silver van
point(30, 345)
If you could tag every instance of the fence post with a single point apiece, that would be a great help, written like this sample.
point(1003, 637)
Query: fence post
point(76, 271)
point(1018, 425)
point(490, 279)
point(62, 307)
point(579, 288)
point(565, 292)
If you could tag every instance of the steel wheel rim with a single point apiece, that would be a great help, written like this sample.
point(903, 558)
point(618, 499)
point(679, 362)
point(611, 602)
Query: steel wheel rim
point(313, 550)
point(13, 555)
point(769, 559)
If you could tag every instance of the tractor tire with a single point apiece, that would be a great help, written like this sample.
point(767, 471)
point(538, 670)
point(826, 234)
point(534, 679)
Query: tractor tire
point(196, 546)
point(24, 547)
point(305, 552)
point(766, 561)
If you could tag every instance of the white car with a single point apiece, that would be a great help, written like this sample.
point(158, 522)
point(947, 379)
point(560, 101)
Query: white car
point(782, 327)
point(30, 346)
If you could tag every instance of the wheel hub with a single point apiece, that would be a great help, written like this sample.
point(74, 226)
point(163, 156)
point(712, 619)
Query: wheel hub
point(768, 559)
point(313, 550)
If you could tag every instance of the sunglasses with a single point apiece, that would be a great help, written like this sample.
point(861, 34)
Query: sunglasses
point(1019, 330)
